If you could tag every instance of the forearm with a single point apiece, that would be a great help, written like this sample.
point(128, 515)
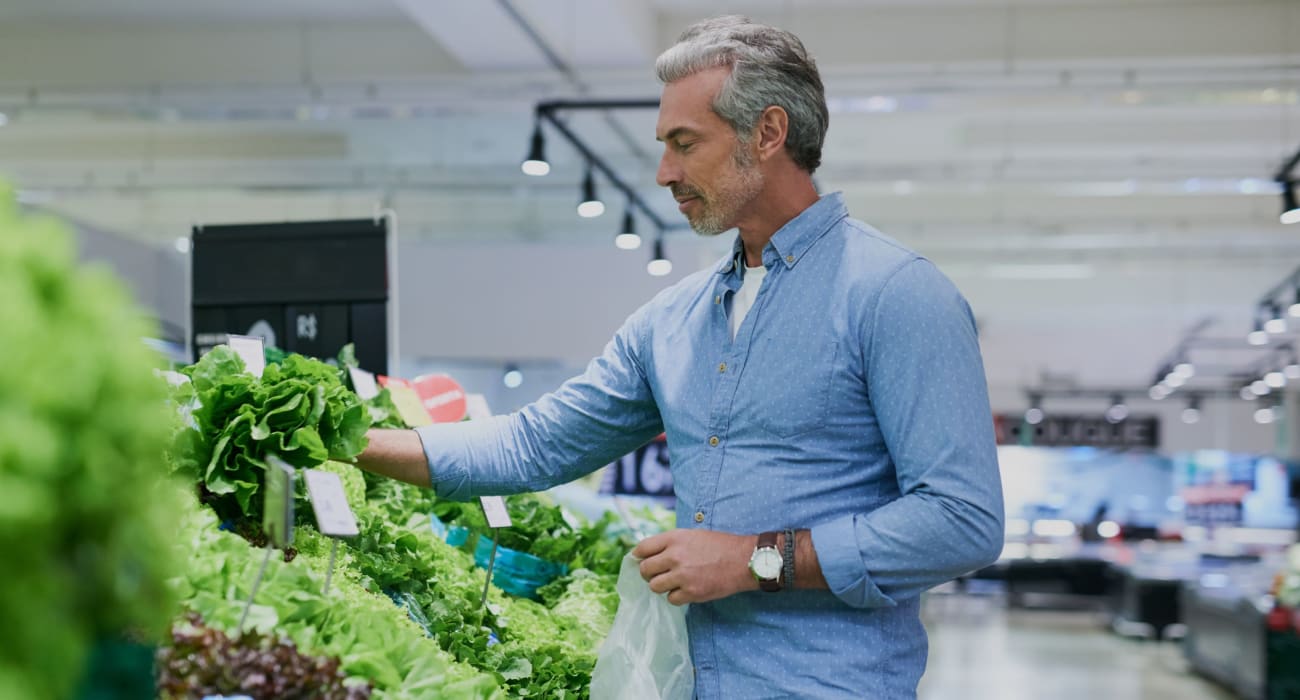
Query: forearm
point(907, 546)
point(396, 454)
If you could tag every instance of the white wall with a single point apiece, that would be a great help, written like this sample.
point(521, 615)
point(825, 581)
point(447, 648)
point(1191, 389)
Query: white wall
point(156, 277)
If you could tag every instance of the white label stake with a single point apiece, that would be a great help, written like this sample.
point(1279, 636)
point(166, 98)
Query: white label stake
point(277, 510)
point(494, 508)
point(251, 351)
point(363, 383)
point(333, 514)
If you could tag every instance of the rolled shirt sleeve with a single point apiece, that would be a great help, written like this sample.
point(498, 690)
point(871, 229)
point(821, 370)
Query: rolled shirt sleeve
point(926, 383)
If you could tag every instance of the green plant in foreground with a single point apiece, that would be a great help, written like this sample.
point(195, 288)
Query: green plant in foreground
point(85, 510)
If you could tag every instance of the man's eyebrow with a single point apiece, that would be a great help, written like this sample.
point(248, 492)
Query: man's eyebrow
point(678, 131)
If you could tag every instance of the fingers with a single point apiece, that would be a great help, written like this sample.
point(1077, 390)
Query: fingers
point(677, 597)
point(664, 583)
point(655, 565)
point(652, 545)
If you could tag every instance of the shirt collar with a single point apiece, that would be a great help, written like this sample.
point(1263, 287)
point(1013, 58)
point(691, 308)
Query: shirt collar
point(792, 240)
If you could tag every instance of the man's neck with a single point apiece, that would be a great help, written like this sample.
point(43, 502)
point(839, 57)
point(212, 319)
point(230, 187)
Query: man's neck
point(780, 200)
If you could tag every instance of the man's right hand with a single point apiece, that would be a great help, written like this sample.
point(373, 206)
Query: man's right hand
point(396, 454)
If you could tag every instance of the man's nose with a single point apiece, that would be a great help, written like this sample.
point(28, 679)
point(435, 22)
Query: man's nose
point(669, 173)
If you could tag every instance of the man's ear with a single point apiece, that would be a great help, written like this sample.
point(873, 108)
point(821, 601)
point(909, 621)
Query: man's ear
point(771, 131)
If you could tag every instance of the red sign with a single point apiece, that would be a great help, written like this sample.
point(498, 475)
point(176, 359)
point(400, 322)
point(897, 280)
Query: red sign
point(442, 397)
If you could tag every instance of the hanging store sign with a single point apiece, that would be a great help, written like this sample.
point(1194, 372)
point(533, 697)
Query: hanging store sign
point(442, 397)
point(1078, 431)
point(645, 472)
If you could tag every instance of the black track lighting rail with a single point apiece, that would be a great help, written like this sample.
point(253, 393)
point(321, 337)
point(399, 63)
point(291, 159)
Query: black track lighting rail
point(1290, 283)
point(549, 112)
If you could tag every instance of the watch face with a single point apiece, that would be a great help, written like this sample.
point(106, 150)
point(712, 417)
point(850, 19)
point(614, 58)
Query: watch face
point(766, 563)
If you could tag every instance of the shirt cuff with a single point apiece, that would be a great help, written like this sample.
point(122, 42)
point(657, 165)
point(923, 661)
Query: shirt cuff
point(448, 476)
point(836, 544)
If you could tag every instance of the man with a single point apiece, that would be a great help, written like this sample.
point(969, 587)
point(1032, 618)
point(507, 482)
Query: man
point(822, 382)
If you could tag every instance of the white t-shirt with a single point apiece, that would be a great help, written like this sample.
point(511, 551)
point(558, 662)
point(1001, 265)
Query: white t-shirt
point(744, 299)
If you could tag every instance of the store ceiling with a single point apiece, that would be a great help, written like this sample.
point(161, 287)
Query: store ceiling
point(1133, 141)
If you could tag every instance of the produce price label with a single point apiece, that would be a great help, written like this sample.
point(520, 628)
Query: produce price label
point(277, 513)
point(333, 514)
point(494, 507)
point(249, 349)
point(364, 383)
point(407, 402)
point(477, 407)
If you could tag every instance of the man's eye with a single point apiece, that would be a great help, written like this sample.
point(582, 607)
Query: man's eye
point(684, 147)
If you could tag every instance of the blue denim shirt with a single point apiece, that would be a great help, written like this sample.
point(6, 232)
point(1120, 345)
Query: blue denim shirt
point(852, 402)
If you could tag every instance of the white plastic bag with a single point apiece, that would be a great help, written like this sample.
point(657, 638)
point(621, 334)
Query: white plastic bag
point(646, 654)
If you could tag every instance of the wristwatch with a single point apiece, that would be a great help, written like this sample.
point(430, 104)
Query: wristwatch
point(766, 562)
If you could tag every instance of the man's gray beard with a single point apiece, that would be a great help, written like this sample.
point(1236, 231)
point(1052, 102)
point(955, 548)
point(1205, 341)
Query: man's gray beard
point(746, 187)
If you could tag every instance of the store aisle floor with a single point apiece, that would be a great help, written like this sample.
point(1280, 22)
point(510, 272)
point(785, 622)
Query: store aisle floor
point(979, 650)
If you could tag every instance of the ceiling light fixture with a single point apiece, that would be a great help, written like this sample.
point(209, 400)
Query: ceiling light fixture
point(1117, 411)
point(1192, 414)
point(535, 164)
point(1258, 336)
point(1290, 208)
point(659, 265)
point(627, 238)
point(590, 206)
point(1034, 415)
point(1276, 323)
point(512, 377)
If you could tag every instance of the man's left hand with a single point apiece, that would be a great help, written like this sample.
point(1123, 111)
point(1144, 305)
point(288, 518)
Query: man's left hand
point(696, 566)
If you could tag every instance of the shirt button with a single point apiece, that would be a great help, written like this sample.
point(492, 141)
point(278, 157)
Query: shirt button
point(717, 299)
point(722, 367)
point(789, 258)
point(713, 441)
point(699, 516)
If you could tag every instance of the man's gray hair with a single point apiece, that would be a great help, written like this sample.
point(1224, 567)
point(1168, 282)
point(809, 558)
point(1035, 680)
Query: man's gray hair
point(769, 66)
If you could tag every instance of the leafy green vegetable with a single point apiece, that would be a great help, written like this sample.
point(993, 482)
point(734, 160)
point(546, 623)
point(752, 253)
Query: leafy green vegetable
point(299, 410)
point(200, 661)
point(372, 638)
point(85, 517)
point(383, 412)
point(542, 529)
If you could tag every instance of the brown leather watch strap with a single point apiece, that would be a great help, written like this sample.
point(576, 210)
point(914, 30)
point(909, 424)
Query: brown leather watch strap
point(769, 540)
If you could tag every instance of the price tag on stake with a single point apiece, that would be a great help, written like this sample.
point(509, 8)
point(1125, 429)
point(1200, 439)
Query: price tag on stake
point(277, 511)
point(251, 351)
point(476, 407)
point(494, 507)
point(407, 402)
point(363, 383)
point(334, 516)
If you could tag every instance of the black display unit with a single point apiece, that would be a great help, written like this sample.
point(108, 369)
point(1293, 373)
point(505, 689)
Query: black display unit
point(305, 287)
